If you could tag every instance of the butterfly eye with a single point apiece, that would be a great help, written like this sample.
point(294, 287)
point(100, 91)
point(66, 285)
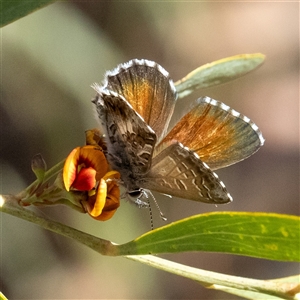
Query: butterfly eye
point(136, 193)
point(139, 197)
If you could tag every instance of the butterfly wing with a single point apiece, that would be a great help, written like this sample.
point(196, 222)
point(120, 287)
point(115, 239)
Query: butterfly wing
point(130, 141)
point(179, 172)
point(149, 90)
point(218, 134)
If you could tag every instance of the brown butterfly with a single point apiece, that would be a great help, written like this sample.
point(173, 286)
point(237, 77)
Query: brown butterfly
point(135, 105)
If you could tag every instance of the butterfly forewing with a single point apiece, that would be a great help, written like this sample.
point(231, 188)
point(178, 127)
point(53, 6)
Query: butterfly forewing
point(149, 90)
point(130, 141)
point(177, 171)
point(218, 134)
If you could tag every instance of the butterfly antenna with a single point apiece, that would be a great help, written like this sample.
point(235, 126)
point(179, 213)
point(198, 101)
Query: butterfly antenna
point(150, 214)
point(162, 216)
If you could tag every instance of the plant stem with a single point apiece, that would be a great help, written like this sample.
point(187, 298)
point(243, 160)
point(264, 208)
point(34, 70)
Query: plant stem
point(10, 206)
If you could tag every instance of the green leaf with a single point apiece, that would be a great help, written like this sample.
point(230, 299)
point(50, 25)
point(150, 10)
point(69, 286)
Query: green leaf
point(2, 297)
point(218, 72)
point(289, 285)
point(247, 294)
point(262, 235)
point(283, 288)
point(16, 9)
point(38, 166)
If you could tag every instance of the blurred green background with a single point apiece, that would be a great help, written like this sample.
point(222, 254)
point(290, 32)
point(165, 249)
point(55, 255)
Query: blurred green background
point(49, 60)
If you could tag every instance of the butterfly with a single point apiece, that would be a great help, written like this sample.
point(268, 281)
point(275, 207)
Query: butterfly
point(135, 104)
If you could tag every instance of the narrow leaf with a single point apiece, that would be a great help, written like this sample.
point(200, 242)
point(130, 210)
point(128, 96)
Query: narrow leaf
point(262, 235)
point(2, 297)
point(245, 294)
point(14, 10)
point(39, 166)
point(289, 285)
point(287, 288)
point(218, 72)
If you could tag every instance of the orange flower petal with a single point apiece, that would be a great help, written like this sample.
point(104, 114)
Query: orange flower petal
point(87, 156)
point(113, 196)
point(109, 209)
point(112, 175)
point(93, 157)
point(85, 179)
point(103, 205)
point(100, 199)
point(113, 190)
point(70, 168)
point(95, 137)
point(106, 215)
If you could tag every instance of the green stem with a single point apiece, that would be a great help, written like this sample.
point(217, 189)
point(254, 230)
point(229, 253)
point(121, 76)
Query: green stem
point(10, 206)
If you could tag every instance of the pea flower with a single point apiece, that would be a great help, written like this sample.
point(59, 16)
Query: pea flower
point(86, 170)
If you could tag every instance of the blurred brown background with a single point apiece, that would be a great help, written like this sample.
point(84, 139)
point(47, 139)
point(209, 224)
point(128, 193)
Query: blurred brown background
point(49, 60)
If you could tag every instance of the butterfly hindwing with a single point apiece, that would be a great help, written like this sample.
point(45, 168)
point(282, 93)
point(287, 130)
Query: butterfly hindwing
point(179, 172)
point(218, 134)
